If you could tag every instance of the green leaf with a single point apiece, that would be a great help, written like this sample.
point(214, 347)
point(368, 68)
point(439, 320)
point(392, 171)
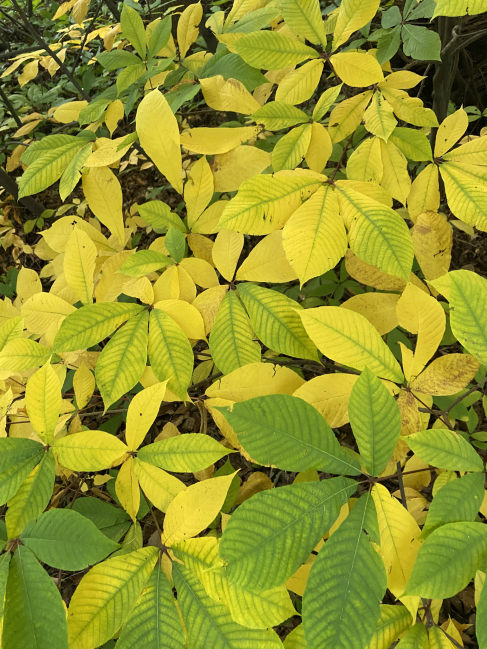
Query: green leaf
point(133, 29)
point(106, 596)
point(289, 433)
point(48, 143)
point(458, 500)
point(159, 215)
point(10, 330)
point(304, 18)
point(110, 520)
point(391, 17)
point(276, 115)
point(296, 639)
point(175, 243)
point(232, 66)
point(93, 111)
point(393, 621)
point(232, 343)
point(376, 421)
point(254, 20)
point(170, 353)
point(481, 619)
point(117, 59)
point(208, 623)
point(184, 453)
point(421, 43)
point(272, 51)
point(346, 582)
point(448, 560)
point(272, 534)
point(34, 611)
point(275, 321)
point(71, 174)
point(412, 143)
point(4, 566)
point(32, 497)
point(468, 304)
point(133, 540)
point(445, 449)
point(49, 167)
point(260, 610)
point(17, 459)
point(128, 76)
point(388, 45)
point(92, 323)
point(23, 354)
point(159, 36)
point(123, 359)
point(154, 623)
point(289, 152)
point(415, 638)
point(144, 262)
point(65, 539)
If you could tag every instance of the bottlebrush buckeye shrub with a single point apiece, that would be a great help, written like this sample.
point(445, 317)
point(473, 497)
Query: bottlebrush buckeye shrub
point(241, 297)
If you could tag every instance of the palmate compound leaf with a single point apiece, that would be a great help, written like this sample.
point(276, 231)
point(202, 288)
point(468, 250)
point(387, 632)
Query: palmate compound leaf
point(105, 597)
point(65, 539)
point(34, 612)
point(276, 322)
point(90, 450)
point(32, 497)
point(376, 421)
point(232, 343)
point(272, 534)
point(458, 500)
point(123, 359)
point(257, 610)
point(445, 449)
point(154, 622)
point(287, 432)
point(448, 560)
point(348, 338)
point(184, 453)
point(170, 353)
point(18, 457)
point(209, 623)
point(92, 323)
point(377, 234)
point(347, 582)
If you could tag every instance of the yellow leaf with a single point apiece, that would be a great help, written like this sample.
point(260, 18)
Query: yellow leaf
point(299, 85)
point(84, 385)
point(186, 316)
point(378, 308)
point(401, 80)
point(353, 15)
point(447, 375)
point(159, 486)
point(28, 284)
point(232, 168)
point(255, 380)
point(267, 262)
point(141, 288)
point(398, 539)
point(225, 95)
point(365, 163)
point(111, 283)
point(395, 177)
point(256, 482)
point(28, 73)
point(217, 140)
point(194, 509)
point(379, 117)
point(174, 284)
point(200, 271)
point(44, 310)
point(208, 221)
point(158, 132)
point(127, 488)
point(329, 394)
point(432, 238)
point(356, 69)
point(79, 265)
point(421, 314)
point(43, 401)
point(69, 112)
point(291, 148)
point(425, 192)
point(188, 23)
point(104, 195)
point(314, 238)
point(226, 252)
point(198, 190)
point(466, 192)
point(105, 152)
point(142, 412)
point(320, 148)
point(409, 109)
point(208, 304)
point(202, 247)
point(80, 9)
point(450, 131)
point(113, 115)
point(304, 18)
point(91, 450)
point(345, 117)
